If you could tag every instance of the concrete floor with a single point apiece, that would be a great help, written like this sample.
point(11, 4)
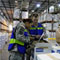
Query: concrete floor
point(4, 53)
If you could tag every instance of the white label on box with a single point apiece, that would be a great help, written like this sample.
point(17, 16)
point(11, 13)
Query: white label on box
point(39, 50)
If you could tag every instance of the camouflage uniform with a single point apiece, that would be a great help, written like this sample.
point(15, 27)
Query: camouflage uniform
point(19, 34)
point(15, 56)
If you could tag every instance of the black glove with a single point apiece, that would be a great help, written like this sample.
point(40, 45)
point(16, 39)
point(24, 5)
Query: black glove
point(27, 45)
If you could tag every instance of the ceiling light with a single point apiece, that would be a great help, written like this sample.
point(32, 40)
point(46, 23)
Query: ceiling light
point(1, 13)
point(52, 7)
point(38, 5)
point(32, 10)
point(59, 5)
point(16, 1)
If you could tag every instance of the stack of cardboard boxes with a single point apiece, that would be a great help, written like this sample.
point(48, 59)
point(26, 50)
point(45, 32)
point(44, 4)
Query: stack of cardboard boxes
point(58, 35)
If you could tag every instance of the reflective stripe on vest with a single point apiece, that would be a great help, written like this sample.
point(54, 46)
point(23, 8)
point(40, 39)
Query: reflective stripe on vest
point(25, 30)
point(40, 28)
point(16, 41)
point(33, 28)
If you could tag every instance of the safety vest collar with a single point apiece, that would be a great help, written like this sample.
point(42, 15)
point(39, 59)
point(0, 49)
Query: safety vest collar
point(40, 28)
point(25, 30)
point(33, 28)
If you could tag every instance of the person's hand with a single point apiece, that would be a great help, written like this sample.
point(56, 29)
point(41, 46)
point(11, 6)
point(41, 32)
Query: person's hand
point(31, 38)
point(37, 36)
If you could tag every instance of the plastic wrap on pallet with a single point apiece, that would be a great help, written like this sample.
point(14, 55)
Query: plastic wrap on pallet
point(56, 18)
point(48, 26)
point(16, 14)
point(49, 17)
point(55, 26)
point(3, 39)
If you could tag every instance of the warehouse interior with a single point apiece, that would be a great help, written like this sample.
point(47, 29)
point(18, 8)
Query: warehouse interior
point(48, 14)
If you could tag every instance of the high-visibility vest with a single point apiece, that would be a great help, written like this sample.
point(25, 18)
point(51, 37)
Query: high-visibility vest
point(20, 45)
point(16, 42)
point(36, 30)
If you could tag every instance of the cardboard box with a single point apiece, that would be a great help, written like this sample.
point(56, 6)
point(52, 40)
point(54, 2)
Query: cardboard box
point(58, 35)
point(49, 56)
point(41, 48)
point(56, 49)
point(58, 40)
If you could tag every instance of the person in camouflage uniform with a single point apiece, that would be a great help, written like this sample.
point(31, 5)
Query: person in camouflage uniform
point(19, 40)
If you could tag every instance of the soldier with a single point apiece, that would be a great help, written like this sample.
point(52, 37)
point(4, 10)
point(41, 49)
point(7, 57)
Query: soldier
point(19, 40)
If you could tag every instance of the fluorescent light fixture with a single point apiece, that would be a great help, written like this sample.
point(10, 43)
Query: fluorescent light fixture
point(32, 10)
point(16, 1)
point(51, 7)
point(38, 5)
point(59, 5)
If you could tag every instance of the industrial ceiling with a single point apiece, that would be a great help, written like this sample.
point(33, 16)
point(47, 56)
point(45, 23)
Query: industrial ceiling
point(7, 6)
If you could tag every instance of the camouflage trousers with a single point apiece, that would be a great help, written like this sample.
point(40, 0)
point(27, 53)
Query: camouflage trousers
point(16, 56)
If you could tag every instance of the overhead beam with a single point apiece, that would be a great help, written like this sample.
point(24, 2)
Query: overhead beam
point(42, 2)
point(47, 6)
point(3, 13)
point(10, 9)
point(42, 5)
point(5, 8)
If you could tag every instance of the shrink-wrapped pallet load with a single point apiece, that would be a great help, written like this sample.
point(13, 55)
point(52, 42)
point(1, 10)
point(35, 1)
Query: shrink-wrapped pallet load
point(58, 34)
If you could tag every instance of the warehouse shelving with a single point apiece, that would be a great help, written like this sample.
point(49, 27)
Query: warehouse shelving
point(48, 22)
point(3, 24)
point(5, 30)
point(52, 30)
